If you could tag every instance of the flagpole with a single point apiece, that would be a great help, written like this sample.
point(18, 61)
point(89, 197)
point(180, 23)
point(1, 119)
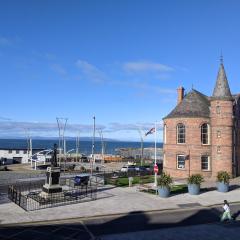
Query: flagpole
point(155, 159)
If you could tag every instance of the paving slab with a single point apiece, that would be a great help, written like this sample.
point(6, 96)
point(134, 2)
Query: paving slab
point(114, 201)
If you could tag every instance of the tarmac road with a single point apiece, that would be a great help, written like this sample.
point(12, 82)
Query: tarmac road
point(124, 226)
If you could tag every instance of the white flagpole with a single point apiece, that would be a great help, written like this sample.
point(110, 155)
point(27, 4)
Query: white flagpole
point(155, 161)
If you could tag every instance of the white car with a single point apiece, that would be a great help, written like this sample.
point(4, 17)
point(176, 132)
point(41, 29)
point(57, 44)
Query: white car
point(128, 168)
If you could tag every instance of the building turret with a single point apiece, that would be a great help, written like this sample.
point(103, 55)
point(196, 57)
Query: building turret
point(221, 124)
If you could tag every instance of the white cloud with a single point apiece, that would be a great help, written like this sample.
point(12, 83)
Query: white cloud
point(90, 71)
point(14, 128)
point(21, 129)
point(58, 69)
point(146, 66)
point(115, 126)
point(5, 118)
point(5, 41)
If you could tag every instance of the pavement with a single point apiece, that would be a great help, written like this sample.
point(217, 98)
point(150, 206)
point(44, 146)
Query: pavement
point(169, 224)
point(112, 200)
point(113, 209)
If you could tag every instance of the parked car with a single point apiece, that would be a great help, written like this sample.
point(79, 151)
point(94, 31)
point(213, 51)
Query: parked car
point(128, 168)
point(141, 169)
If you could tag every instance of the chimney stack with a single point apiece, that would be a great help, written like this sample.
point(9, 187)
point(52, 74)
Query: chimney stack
point(180, 92)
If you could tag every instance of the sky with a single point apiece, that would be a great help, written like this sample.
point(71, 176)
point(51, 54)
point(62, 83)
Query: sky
point(120, 61)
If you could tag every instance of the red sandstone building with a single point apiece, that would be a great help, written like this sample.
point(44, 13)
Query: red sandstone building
point(201, 134)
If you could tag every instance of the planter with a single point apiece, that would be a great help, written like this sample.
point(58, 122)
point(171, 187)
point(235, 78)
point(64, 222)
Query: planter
point(222, 187)
point(194, 189)
point(164, 192)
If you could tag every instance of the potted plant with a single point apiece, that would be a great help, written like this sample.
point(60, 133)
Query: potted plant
point(223, 178)
point(194, 182)
point(164, 183)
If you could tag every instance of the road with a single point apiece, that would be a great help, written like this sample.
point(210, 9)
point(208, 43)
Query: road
point(120, 225)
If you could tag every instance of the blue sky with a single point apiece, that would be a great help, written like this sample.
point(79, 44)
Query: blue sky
point(121, 61)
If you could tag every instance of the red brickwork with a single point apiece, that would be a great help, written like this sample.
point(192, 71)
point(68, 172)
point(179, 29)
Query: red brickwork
point(192, 148)
point(222, 135)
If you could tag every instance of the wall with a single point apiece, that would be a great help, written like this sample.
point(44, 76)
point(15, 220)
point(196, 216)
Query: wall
point(192, 147)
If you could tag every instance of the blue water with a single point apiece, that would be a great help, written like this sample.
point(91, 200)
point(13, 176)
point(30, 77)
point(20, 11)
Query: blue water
point(84, 146)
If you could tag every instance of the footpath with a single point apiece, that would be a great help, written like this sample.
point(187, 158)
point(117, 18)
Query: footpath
point(126, 214)
point(112, 200)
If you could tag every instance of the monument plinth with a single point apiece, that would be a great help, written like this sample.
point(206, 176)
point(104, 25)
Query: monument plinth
point(52, 182)
point(52, 187)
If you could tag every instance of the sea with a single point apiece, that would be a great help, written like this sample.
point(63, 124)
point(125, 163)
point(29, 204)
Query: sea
point(85, 147)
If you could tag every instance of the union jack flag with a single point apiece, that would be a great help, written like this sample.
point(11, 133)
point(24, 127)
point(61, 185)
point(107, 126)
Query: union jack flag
point(151, 131)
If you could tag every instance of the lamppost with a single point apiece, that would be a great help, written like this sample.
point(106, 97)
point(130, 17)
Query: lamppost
point(141, 137)
point(93, 145)
point(29, 144)
point(77, 145)
point(61, 122)
point(102, 143)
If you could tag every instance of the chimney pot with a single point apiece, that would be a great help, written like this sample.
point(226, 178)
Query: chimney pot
point(180, 92)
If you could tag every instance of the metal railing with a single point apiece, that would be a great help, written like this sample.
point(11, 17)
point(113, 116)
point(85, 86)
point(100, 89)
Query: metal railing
point(28, 195)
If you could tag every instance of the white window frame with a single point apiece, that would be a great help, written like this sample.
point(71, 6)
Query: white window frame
point(208, 134)
point(178, 125)
point(208, 163)
point(184, 166)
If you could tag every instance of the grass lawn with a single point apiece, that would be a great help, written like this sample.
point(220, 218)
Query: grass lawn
point(124, 182)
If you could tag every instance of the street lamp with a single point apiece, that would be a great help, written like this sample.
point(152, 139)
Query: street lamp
point(141, 137)
point(93, 145)
point(61, 122)
point(102, 143)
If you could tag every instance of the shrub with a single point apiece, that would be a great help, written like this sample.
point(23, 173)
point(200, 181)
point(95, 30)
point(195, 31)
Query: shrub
point(195, 179)
point(83, 169)
point(164, 180)
point(223, 176)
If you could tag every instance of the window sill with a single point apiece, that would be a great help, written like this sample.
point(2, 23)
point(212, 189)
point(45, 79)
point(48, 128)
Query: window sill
point(182, 169)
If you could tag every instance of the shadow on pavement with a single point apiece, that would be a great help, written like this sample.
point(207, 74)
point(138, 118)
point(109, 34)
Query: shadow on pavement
point(95, 227)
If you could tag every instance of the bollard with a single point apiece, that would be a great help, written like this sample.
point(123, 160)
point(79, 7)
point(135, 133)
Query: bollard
point(130, 180)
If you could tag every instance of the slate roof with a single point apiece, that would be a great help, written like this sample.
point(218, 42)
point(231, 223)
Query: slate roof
point(222, 90)
point(194, 104)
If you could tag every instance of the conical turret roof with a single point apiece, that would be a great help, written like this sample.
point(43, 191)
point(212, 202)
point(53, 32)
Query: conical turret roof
point(222, 90)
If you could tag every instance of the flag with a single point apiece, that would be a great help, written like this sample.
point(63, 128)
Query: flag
point(151, 131)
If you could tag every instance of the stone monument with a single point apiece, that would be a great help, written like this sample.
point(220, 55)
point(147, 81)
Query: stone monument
point(52, 188)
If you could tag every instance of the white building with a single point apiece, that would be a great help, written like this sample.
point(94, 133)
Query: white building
point(21, 155)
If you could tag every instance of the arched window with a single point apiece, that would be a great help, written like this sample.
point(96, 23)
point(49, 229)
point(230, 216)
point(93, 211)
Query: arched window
point(205, 133)
point(180, 133)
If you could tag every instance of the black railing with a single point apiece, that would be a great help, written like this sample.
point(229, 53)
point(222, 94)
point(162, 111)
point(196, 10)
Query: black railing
point(29, 195)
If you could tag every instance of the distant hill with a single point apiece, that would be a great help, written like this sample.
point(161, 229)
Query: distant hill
point(67, 138)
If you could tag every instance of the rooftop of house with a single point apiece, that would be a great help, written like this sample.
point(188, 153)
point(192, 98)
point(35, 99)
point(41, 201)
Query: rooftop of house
point(196, 104)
